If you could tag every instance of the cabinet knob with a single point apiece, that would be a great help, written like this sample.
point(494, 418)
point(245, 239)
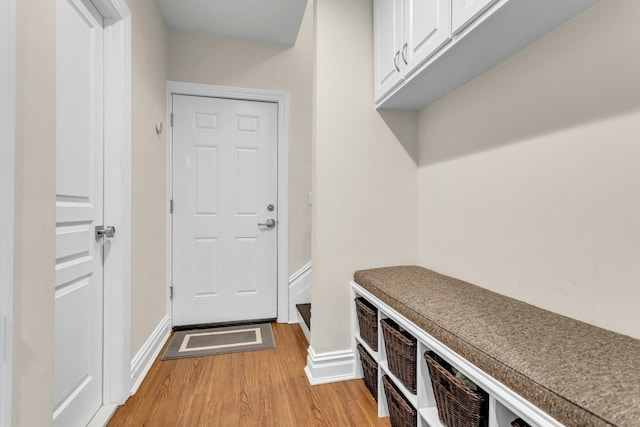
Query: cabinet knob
point(404, 53)
point(395, 61)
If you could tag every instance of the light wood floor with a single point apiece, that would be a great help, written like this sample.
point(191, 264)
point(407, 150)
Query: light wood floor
point(258, 388)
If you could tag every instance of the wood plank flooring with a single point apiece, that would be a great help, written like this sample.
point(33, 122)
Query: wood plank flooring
point(258, 388)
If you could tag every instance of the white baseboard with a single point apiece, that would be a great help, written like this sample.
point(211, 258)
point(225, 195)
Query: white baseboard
point(299, 290)
point(330, 367)
point(143, 360)
point(102, 417)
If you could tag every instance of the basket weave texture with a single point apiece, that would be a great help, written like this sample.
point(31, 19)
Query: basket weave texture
point(401, 353)
point(368, 322)
point(370, 371)
point(457, 404)
point(401, 413)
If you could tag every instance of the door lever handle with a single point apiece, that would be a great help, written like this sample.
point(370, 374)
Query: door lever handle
point(102, 231)
point(270, 223)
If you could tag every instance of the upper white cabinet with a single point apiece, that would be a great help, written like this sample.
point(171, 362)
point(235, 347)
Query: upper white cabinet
point(407, 32)
point(465, 11)
point(388, 39)
point(426, 48)
point(427, 27)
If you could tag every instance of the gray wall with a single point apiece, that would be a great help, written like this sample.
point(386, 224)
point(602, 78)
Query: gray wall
point(365, 180)
point(529, 177)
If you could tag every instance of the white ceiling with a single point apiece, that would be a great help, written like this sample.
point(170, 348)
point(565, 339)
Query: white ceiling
point(275, 21)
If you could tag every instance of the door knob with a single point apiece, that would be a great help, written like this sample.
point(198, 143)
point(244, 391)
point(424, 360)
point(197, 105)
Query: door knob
point(270, 223)
point(102, 231)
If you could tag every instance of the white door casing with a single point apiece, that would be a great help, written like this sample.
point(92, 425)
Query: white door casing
point(78, 326)
point(225, 179)
point(7, 182)
point(117, 204)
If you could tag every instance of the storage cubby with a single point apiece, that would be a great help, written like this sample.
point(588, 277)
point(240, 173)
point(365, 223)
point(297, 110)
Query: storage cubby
point(427, 410)
point(362, 342)
point(411, 397)
point(401, 353)
point(501, 415)
point(502, 409)
point(367, 322)
point(402, 412)
point(369, 371)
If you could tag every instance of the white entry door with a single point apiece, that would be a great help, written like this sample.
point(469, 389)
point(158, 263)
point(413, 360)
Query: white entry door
point(78, 329)
point(225, 210)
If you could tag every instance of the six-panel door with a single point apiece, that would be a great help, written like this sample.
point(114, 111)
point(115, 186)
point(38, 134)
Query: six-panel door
point(225, 193)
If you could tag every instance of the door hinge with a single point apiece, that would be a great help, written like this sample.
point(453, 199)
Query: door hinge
point(171, 206)
point(170, 292)
point(171, 119)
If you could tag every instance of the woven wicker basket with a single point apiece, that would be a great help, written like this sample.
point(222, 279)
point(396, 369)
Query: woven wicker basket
point(519, 422)
point(368, 322)
point(401, 353)
point(370, 371)
point(458, 405)
point(401, 413)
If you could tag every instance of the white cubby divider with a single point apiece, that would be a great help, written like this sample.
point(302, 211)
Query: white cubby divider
point(504, 404)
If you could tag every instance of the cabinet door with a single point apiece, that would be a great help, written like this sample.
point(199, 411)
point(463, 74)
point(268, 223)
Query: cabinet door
point(427, 27)
point(387, 33)
point(465, 11)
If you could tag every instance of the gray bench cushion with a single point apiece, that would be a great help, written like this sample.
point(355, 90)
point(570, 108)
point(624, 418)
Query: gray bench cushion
point(580, 374)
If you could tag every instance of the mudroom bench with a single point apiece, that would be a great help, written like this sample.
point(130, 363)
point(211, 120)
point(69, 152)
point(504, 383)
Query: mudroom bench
point(537, 367)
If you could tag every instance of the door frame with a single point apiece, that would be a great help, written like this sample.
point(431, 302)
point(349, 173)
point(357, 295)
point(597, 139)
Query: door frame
point(7, 188)
point(281, 98)
point(117, 205)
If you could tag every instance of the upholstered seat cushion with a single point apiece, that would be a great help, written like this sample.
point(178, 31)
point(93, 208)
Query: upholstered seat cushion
point(579, 374)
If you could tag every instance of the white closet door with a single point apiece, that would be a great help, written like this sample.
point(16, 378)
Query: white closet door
point(78, 329)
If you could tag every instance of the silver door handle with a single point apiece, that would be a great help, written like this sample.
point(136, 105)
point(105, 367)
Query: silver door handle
point(102, 231)
point(270, 223)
